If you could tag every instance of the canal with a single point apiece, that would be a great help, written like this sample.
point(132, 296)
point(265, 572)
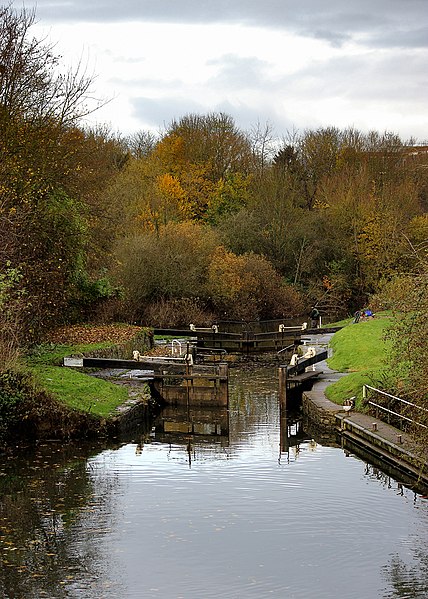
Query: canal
point(235, 505)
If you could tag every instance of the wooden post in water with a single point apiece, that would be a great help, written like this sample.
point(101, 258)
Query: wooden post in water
point(283, 441)
point(189, 384)
point(223, 389)
point(282, 388)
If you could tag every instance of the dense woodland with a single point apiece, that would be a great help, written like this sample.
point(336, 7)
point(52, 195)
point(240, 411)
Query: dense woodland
point(199, 222)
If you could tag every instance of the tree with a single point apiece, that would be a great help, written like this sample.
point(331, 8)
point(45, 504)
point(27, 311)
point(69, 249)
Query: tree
point(30, 85)
point(141, 144)
point(263, 145)
point(408, 336)
point(43, 182)
point(207, 155)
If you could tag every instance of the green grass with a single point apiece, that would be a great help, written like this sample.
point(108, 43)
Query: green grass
point(50, 353)
point(74, 388)
point(360, 350)
point(339, 323)
point(80, 391)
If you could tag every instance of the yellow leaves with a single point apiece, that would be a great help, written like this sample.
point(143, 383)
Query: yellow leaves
point(172, 194)
point(224, 276)
point(417, 229)
point(170, 152)
point(380, 245)
point(320, 205)
point(170, 187)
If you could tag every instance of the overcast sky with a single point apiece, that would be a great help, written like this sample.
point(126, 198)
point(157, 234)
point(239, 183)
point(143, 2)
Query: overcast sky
point(294, 64)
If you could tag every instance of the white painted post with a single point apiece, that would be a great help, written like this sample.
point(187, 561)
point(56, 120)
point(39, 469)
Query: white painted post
point(73, 362)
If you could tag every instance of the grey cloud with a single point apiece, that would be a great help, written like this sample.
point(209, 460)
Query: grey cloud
point(335, 38)
point(237, 72)
point(398, 79)
point(396, 22)
point(402, 37)
point(153, 111)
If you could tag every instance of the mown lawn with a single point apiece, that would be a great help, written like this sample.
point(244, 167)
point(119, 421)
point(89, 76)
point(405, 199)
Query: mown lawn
point(80, 391)
point(360, 350)
point(72, 387)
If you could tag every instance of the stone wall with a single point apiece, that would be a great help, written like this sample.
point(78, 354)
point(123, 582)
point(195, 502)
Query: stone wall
point(320, 415)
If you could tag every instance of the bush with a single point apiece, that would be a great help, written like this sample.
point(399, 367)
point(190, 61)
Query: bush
point(178, 313)
point(248, 288)
point(15, 387)
point(11, 309)
point(167, 266)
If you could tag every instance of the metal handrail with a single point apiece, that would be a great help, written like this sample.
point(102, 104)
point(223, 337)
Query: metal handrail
point(175, 342)
point(285, 348)
point(379, 407)
point(409, 403)
point(372, 403)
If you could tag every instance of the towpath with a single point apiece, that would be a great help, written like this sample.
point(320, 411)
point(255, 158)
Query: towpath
point(389, 442)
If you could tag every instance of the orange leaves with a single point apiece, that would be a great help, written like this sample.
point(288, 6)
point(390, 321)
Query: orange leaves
point(327, 283)
point(170, 187)
point(248, 287)
point(82, 334)
point(225, 275)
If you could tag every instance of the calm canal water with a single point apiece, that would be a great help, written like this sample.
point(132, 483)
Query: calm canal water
point(243, 510)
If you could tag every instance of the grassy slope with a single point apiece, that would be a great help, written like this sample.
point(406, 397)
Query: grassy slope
point(75, 389)
point(360, 350)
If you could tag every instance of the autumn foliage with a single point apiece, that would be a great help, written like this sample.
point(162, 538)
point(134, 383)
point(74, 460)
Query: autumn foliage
point(50, 212)
point(199, 222)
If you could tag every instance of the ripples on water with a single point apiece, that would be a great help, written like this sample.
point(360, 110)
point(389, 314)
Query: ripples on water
point(228, 516)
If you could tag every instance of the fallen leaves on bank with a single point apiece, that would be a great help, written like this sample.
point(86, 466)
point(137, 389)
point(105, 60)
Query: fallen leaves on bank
point(85, 334)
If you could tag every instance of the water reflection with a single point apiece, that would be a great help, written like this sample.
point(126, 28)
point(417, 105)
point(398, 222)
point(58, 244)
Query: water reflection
point(203, 428)
point(207, 503)
point(407, 581)
point(44, 495)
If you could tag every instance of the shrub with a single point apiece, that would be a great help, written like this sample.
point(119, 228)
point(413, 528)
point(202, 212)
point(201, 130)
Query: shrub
point(247, 287)
point(178, 313)
point(170, 265)
point(11, 308)
point(15, 387)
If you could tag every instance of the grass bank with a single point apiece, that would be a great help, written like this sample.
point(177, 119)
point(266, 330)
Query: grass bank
point(73, 388)
point(359, 350)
